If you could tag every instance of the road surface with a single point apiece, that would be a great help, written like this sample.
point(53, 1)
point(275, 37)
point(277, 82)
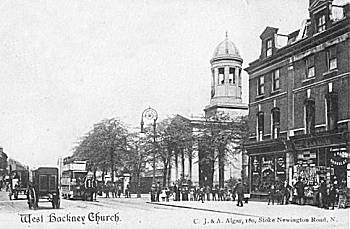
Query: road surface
point(137, 213)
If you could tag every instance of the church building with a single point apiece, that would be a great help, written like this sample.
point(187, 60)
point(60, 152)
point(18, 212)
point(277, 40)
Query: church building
point(225, 100)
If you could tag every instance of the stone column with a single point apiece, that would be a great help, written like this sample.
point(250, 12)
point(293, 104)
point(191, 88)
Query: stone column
point(195, 168)
point(216, 76)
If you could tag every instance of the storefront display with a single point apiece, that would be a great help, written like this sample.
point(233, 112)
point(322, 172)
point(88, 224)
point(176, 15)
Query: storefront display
point(267, 170)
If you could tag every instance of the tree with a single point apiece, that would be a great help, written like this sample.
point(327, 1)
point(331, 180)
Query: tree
point(137, 158)
point(104, 147)
point(221, 138)
point(173, 139)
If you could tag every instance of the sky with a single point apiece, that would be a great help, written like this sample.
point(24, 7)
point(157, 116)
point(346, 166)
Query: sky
point(65, 65)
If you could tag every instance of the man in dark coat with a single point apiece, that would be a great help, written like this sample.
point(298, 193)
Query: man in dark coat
point(239, 189)
point(300, 191)
point(332, 196)
point(322, 192)
point(286, 192)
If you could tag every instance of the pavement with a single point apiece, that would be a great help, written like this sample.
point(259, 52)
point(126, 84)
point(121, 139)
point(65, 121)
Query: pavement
point(303, 216)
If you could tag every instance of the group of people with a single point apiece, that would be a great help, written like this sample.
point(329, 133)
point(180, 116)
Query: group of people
point(115, 189)
point(326, 196)
point(195, 193)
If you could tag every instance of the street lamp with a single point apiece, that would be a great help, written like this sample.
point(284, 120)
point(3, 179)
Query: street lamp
point(151, 114)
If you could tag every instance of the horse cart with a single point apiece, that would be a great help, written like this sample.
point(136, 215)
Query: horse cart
point(18, 183)
point(44, 186)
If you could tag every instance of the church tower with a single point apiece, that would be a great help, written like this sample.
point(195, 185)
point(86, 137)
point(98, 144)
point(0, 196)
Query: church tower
point(226, 81)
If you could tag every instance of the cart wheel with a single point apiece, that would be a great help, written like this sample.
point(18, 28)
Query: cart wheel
point(32, 199)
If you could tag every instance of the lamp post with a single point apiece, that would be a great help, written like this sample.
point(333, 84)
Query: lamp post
point(151, 114)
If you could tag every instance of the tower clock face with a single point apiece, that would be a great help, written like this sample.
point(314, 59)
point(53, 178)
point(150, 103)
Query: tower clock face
point(150, 114)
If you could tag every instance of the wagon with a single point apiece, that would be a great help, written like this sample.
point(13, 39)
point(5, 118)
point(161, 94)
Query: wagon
point(44, 186)
point(18, 181)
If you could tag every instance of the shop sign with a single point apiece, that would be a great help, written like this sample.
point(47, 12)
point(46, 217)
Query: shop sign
point(318, 141)
point(339, 156)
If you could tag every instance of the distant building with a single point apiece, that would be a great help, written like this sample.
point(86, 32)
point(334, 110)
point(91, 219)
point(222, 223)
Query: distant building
point(15, 165)
point(299, 102)
point(3, 162)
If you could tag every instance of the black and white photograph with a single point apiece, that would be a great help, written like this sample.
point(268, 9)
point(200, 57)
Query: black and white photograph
point(175, 114)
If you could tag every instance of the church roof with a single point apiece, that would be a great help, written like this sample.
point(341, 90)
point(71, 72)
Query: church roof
point(226, 50)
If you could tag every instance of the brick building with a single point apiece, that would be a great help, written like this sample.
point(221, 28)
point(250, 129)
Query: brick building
point(299, 102)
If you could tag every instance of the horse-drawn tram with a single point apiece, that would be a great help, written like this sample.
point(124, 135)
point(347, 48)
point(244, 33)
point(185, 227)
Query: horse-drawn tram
point(44, 186)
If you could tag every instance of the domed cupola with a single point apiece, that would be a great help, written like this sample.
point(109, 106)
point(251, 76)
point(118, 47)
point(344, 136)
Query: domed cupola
point(226, 50)
point(226, 80)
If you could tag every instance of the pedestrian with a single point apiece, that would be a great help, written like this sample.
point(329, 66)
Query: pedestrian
point(177, 193)
point(127, 192)
point(153, 193)
point(106, 189)
point(167, 193)
point(322, 192)
point(332, 196)
point(207, 192)
point(246, 193)
point(213, 193)
point(239, 190)
point(272, 193)
point(201, 194)
point(300, 191)
point(192, 194)
point(221, 194)
point(158, 189)
point(286, 192)
point(119, 191)
point(195, 194)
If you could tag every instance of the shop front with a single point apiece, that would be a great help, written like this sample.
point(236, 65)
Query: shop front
point(267, 166)
point(324, 156)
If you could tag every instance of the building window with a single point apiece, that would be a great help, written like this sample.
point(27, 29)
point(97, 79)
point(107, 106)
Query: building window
point(332, 58)
point(261, 85)
point(332, 110)
point(231, 76)
point(221, 76)
point(268, 47)
point(276, 80)
point(310, 116)
point(260, 118)
point(310, 66)
point(321, 23)
point(275, 112)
